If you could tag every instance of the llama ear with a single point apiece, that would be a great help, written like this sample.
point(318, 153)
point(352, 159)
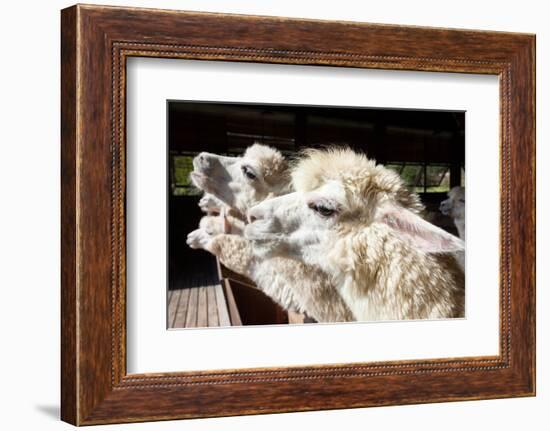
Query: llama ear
point(422, 234)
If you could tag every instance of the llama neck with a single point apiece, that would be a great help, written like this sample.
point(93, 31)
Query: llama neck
point(382, 277)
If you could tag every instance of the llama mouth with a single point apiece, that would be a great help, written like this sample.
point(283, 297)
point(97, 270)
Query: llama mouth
point(197, 178)
point(445, 211)
point(202, 182)
point(255, 233)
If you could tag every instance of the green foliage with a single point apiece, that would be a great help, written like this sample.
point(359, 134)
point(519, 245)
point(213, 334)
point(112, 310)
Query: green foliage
point(437, 176)
point(181, 184)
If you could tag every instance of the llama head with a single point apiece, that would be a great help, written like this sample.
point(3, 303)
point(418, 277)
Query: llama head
point(211, 205)
point(340, 194)
point(454, 205)
point(241, 182)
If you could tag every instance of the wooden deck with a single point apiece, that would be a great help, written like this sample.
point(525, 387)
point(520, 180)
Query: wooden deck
point(198, 307)
point(218, 298)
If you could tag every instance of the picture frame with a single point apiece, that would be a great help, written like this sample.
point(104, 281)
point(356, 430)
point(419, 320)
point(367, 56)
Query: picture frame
point(96, 42)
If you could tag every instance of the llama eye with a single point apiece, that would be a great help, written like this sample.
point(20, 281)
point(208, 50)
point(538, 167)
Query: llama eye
point(247, 172)
point(323, 210)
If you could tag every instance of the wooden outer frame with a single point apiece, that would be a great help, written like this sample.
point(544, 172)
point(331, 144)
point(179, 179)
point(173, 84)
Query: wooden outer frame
point(96, 41)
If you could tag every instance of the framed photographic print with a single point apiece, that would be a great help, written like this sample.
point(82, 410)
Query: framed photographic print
point(262, 210)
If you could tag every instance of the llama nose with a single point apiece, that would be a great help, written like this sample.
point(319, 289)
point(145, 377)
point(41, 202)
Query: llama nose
point(254, 214)
point(204, 160)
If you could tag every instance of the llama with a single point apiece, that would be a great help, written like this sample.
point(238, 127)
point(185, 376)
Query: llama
point(359, 222)
point(239, 183)
point(233, 184)
point(454, 206)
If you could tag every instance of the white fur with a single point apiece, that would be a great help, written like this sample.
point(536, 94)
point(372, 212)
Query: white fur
point(455, 207)
point(210, 204)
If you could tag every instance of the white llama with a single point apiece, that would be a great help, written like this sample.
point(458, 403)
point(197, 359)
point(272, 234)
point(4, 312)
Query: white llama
point(454, 206)
point(360, 223)
point(240, 183)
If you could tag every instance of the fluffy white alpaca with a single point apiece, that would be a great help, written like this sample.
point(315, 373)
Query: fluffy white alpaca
point(360, 223)
point(240, 183)
point(454, 206)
